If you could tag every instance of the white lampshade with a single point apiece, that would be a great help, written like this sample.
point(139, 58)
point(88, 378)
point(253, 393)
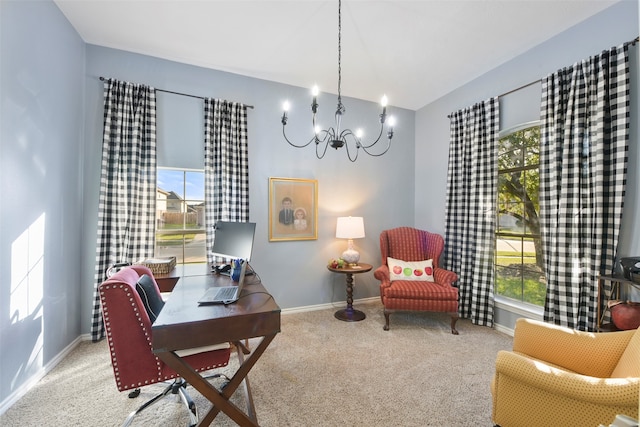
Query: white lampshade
point(350, 227)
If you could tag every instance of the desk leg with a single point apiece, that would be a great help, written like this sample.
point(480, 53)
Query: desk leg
point(220, 400)
point(240, 376)
point(349, 314)
point(251, 408)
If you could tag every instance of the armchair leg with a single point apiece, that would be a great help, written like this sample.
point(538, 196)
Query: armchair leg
point(454, 319)
point(386, 321)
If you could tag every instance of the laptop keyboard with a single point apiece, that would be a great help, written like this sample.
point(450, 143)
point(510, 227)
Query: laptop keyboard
point(226, 293)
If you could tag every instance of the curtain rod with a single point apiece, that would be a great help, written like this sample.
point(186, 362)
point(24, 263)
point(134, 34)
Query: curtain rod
point(181, 94)
point(632, 42)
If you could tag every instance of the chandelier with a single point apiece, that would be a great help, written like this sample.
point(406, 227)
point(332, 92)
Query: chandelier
point(336, 137)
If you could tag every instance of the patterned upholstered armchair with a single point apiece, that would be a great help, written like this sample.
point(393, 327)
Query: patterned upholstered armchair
point(556, 376)
point(410, 287)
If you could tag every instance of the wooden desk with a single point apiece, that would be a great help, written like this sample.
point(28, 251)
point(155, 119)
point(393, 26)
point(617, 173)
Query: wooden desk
point(182, 324)
point(166, 282)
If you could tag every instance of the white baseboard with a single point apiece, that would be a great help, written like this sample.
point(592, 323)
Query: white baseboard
point(24, 388)
point(503, 329)
point(339, 304)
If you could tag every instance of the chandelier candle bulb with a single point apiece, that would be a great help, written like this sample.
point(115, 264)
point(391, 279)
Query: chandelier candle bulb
point(314, 103)
point(392, 122)
point(285, 108)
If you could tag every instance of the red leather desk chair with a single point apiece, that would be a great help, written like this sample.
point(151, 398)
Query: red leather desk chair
point(128, 328)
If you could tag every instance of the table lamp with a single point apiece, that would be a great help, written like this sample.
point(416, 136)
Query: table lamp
point(350, 227)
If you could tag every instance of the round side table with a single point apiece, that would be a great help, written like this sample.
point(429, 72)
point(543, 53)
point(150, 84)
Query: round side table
point(350, 314)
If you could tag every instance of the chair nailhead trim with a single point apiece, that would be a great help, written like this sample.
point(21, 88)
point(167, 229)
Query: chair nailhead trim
point(106, 318)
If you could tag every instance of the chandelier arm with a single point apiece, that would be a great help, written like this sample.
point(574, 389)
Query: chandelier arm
point(377, 154)
point(295, 145)
point(347, 132)
point(343, 136)
point(349, 152)
point(377, 139)
point(326, 139)
point(326, 145)
point(328, 136)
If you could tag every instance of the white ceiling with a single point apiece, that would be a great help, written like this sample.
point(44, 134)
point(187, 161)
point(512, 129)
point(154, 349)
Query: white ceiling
point(413, 51)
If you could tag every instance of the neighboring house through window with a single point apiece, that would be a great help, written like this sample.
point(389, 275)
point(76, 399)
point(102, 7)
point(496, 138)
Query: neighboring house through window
point(180, 226)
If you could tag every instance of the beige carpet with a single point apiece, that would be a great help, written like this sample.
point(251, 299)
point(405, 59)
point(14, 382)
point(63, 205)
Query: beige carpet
point(319, 371)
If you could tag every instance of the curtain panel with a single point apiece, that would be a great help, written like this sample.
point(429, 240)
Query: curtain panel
point(583, 166)
point(471, 207)
point(127, 201)
point(226, 165)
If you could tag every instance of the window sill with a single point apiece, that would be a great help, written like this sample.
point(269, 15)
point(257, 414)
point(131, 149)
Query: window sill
point(529, 311)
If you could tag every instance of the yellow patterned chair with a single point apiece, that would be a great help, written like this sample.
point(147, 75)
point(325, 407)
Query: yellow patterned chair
point(557, 376)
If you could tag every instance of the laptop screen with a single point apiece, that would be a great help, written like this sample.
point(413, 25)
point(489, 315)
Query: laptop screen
point(233, 239)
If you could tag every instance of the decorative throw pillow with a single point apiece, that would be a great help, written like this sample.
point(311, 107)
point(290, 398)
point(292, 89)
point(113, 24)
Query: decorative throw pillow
point(150, 296)
point(410, 270)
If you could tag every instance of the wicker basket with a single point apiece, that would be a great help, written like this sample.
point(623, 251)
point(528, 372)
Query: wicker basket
point(159, 265)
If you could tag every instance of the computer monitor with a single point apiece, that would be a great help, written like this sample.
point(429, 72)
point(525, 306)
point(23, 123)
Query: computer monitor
point(233, 239)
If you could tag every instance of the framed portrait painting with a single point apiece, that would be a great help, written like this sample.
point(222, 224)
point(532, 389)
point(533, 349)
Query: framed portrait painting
point(293, 209)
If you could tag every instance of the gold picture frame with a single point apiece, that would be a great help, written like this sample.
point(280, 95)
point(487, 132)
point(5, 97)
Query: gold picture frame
point(293, 209)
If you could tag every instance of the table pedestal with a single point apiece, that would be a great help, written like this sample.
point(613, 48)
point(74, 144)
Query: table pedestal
point(350, 314)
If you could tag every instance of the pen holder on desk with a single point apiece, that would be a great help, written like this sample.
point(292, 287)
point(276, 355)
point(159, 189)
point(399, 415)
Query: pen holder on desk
point(236, 267)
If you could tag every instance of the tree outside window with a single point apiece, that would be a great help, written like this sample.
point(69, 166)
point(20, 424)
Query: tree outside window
point(519, 263)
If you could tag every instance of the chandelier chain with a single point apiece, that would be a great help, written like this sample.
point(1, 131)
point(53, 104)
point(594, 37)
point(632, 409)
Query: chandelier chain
point(339, 52)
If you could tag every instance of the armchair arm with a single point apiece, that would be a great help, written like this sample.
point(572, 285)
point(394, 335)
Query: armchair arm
point(382, 274)
point(444, 277)
point(559, 382)
point(559, 345)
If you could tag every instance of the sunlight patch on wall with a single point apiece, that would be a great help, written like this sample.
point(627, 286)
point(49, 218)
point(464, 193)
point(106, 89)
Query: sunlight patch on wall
point(27, 273)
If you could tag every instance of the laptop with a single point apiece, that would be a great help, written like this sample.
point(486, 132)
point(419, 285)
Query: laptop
point(225, 294)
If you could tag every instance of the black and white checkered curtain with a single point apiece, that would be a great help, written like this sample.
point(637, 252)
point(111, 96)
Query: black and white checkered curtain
point(127, 206)
point(583, 166)
point(226, 165)
point(471, 207)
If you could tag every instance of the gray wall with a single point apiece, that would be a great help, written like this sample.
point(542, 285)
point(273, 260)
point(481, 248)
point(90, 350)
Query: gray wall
point(378, 188)
point(51, 124)
point(41, 210)
point(614, 25)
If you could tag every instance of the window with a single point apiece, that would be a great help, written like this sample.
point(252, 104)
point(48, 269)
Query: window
point(518, 262)
point(180, 220)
